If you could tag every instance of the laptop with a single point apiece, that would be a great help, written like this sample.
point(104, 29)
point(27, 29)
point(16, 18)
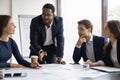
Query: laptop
point(106, 69)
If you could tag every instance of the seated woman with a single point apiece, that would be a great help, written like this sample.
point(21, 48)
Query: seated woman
point(112, 49)
point(8, 46)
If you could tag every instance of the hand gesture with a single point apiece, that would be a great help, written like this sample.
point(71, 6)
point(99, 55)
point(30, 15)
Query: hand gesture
point(42, 54)
point(59, 61)
point(35, 65)
point(81, 40)
point(90, 62)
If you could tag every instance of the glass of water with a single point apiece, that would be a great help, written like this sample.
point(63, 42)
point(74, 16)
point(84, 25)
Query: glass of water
point(86, 67)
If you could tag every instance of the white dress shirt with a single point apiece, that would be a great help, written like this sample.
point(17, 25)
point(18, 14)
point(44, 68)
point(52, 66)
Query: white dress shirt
point(89, 49)
point(48, 40)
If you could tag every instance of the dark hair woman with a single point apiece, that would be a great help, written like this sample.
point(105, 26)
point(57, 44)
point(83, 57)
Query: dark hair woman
point(8, 46)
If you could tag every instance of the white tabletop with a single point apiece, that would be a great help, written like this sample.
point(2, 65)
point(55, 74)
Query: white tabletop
point(54, 72)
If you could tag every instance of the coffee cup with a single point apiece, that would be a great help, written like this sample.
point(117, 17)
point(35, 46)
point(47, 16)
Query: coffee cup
point(34, 59)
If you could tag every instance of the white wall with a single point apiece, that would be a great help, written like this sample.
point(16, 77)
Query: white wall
point(73, 14)
point(5, 6)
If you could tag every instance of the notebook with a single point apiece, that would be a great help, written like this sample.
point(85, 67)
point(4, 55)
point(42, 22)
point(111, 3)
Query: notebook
point(106, 69)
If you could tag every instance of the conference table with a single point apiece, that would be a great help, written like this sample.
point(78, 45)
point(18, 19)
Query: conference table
point(59, 72)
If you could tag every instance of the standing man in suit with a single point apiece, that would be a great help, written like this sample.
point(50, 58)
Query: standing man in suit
point(88, 46)
point(46, 36)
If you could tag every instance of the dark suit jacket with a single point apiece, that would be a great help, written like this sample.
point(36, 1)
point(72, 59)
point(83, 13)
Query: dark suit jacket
point(98, 43)
point(38, 35)
point(107, 57)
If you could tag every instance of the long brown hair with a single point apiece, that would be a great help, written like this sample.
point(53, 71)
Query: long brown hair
point(114, 26)
point(4, 19)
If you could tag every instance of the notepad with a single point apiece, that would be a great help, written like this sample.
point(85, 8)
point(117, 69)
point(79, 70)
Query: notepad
point(106, 69)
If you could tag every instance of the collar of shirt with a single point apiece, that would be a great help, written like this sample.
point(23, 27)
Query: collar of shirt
point(91, 39)
point(49, 25)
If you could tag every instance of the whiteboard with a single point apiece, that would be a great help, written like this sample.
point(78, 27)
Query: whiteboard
point(24, 27)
